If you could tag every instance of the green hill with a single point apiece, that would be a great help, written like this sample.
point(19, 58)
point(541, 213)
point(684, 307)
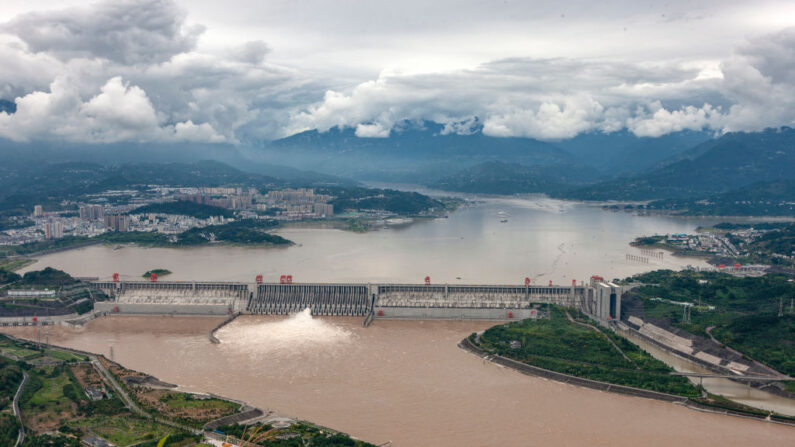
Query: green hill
point(496, 177)
point(185, 208)
point(733, 161)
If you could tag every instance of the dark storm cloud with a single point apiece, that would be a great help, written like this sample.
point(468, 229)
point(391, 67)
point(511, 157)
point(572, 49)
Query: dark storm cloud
point(125, 31)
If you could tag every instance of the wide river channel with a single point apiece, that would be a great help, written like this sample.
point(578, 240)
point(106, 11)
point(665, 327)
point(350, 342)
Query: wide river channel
point(405, 381)
point(542, 239)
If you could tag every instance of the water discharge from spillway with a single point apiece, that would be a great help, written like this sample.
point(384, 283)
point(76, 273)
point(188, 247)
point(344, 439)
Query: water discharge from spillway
point(298, 334)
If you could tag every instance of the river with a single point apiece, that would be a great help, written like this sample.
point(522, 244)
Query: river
point(404, 381)
point(543, 239)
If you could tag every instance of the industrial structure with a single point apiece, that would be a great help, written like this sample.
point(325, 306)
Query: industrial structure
point(177, 297)
point(598, 298)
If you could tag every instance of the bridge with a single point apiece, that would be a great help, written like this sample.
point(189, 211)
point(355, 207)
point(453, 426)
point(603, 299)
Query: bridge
point(598, 298)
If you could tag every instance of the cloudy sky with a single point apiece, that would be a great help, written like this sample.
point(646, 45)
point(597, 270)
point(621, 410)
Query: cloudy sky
point(243, 71)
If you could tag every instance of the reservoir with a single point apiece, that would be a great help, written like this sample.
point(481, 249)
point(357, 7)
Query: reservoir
point(543, 239)
point(404, 381)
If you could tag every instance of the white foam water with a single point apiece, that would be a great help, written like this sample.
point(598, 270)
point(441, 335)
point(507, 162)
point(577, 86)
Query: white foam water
point(299, 333)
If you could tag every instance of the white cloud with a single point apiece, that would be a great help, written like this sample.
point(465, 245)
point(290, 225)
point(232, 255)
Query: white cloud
point(664, 121)
point(119, 112)
point(372, 131)
point(141, 70)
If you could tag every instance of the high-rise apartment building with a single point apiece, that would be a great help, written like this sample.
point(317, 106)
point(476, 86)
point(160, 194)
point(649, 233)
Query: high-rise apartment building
point(92, 212)
point(53, 230)
point(117, 222)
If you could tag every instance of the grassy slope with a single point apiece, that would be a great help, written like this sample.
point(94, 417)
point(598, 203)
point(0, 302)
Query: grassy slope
point(570, 348)
point(745, 314)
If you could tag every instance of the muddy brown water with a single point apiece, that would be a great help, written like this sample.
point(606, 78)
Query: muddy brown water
point(404, 381)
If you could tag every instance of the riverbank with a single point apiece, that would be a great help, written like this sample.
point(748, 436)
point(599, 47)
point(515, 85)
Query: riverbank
point(154, 406)
point(468, 345)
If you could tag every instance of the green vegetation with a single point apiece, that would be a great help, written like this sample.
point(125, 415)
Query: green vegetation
point(184, 400)
point(357, 225)
point(775, 247)
point(744, 310)
point(244, 232)
point(759, 199)
point(10, 378)
point(7, 277)
point(65, 356)
point(297, 435)
point(123, 430)
point(51, 441)
point(185, 208)
point(767, 338)
point(719, 173)
point(158, 272)
point(565, 346)
point(48, 277)
point(247, 231)
point(23, 353)
point(392, 201)
point(187, 409)
point(9, 429)
point(13, 264)
point(496, 177)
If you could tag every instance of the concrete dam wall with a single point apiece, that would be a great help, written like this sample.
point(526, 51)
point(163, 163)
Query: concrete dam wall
point(410, 301)
point(179, 298)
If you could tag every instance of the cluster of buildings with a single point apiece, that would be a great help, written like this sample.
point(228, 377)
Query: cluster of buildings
point(286, 204)
point(296, 204)
point(111, 211)
point(222, 197)
point(704, 242)
point(171, 223)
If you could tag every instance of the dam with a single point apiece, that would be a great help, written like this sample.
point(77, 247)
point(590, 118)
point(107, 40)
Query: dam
point(597, 297)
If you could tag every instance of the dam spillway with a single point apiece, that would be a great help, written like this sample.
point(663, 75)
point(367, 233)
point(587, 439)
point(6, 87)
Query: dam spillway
point(322, 299)
point(410, 301)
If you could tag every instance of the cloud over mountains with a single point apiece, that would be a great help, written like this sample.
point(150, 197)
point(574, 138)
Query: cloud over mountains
point(141, 70)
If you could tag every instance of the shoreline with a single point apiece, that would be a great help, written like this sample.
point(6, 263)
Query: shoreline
point(250, 413)
point(532, 370)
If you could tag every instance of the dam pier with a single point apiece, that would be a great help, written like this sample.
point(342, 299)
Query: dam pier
point(598, 298)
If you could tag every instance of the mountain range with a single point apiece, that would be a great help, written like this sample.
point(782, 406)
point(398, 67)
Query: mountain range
point(731, 162)
point(425, 152)
point(678, 170)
